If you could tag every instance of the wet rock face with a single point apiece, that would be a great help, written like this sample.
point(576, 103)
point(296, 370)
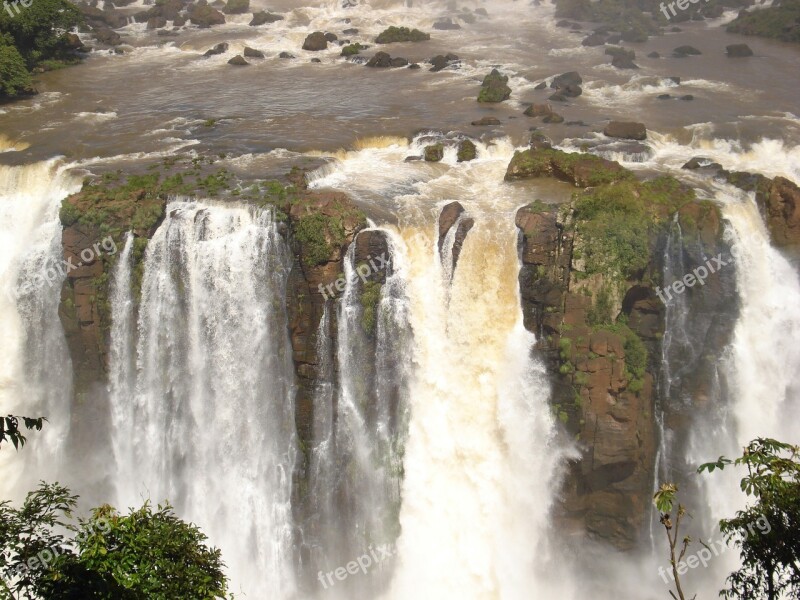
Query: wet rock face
point(315, 42)
point(494, 88)
point(602, 368)
point(447, 220)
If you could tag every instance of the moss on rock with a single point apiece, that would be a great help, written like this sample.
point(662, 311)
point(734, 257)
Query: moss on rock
point(401, 34)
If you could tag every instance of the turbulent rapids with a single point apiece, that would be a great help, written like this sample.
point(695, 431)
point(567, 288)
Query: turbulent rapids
point(378, 340)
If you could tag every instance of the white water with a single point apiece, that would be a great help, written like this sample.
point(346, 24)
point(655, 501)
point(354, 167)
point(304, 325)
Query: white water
point(35, 371)
point(210, 416)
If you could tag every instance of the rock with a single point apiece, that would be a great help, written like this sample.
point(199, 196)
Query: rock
point(467, 151)
point(106, 36)
point(623, 62)
point(414, 66)
point(331, 37)
point(538, 110)
point(687, 98)
point(565, 79)
point(675, 80)
point(682, 51)
point(434, 152)
point(553, 118)
point(664, 96)
point(316, 60)
point(350, 31)
point(494, 88)
point(482, 12)
point(618, 51)
point(156, 23)
point(738, 50)
point(486, 122)
point(595, 39)
point(399, 62)
point(440, 62)
point(541, 86)
point(72, 42)
point(238, 61)
point(448, 218)
point(557, 97)
point(401, 34)
point(540, 141)
point(353, 49)
point(236, 7)
point(412, 159)
point(627, 130)
point(315, 42)
point(468, 18)
point(380, 60)
point(700, 162)
point(252, 53)
point(634, 34)
point(205, 16)
point(220, 48)
point(654, 55)
point(263, 18)
point(582, 170)
point(446, 25)
point(779, 201)
point(286, 55)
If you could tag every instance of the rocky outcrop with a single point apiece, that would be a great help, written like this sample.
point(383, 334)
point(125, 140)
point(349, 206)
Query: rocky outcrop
point(579, 169)
point(204, 16)
point(779, 202)
point(494, 88)
point(401, 34)
point(452, 216)
point(599, 321)
point(738, 50)
point(263, 18)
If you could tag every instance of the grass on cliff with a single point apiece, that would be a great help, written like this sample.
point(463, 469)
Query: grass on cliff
point(616, 223)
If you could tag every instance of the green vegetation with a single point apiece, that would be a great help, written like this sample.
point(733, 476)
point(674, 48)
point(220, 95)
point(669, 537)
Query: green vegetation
point(575, 167)
point(319, 235)
point(767, 532)
point(10, 429)
point(781, 21)
point(145, 554)
point(352, 49)
point(616, 223)
point(494, 88)
point(401, 34)
point(467, 151)
point(664, 500)
point(34, 36)
point(434, 152)
point(370, 298)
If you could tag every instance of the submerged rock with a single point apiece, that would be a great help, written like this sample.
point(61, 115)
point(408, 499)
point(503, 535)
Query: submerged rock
point(486, 122)
point(238, 61)
point(738, 50)
point(262, 18)
point(220, 48)
point(252, 52)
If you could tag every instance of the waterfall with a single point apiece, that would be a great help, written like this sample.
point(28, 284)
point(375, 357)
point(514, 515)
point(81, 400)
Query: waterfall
point(35, 373)
point(481, 456)
point(208, 423)
point(359, 428)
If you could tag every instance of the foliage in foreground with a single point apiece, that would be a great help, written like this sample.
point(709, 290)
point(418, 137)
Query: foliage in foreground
point(148, 554)
point(10, 430)
point(771, 554)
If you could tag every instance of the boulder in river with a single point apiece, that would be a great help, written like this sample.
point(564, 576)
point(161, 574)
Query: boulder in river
point(446, 24)
point(494, 88)
point(738, 50)
point(315, 42)
point(262, 18)
point(252, 53)
point(381, 60)
point(236, 7)
point(682, 51)
point(467, 151)
point(623, 62)
point(401, 34)
point(220, 48)
point(238, 61)
point(205, 16)
point(434, 152)
point(627, 130)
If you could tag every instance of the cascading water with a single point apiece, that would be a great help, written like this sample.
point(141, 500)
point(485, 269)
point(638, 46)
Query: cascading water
point(481, 459)
point(208, 423)
point(35, 373)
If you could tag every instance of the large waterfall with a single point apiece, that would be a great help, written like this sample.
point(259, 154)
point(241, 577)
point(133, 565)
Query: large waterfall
point(207, 422)
point(35, 371)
